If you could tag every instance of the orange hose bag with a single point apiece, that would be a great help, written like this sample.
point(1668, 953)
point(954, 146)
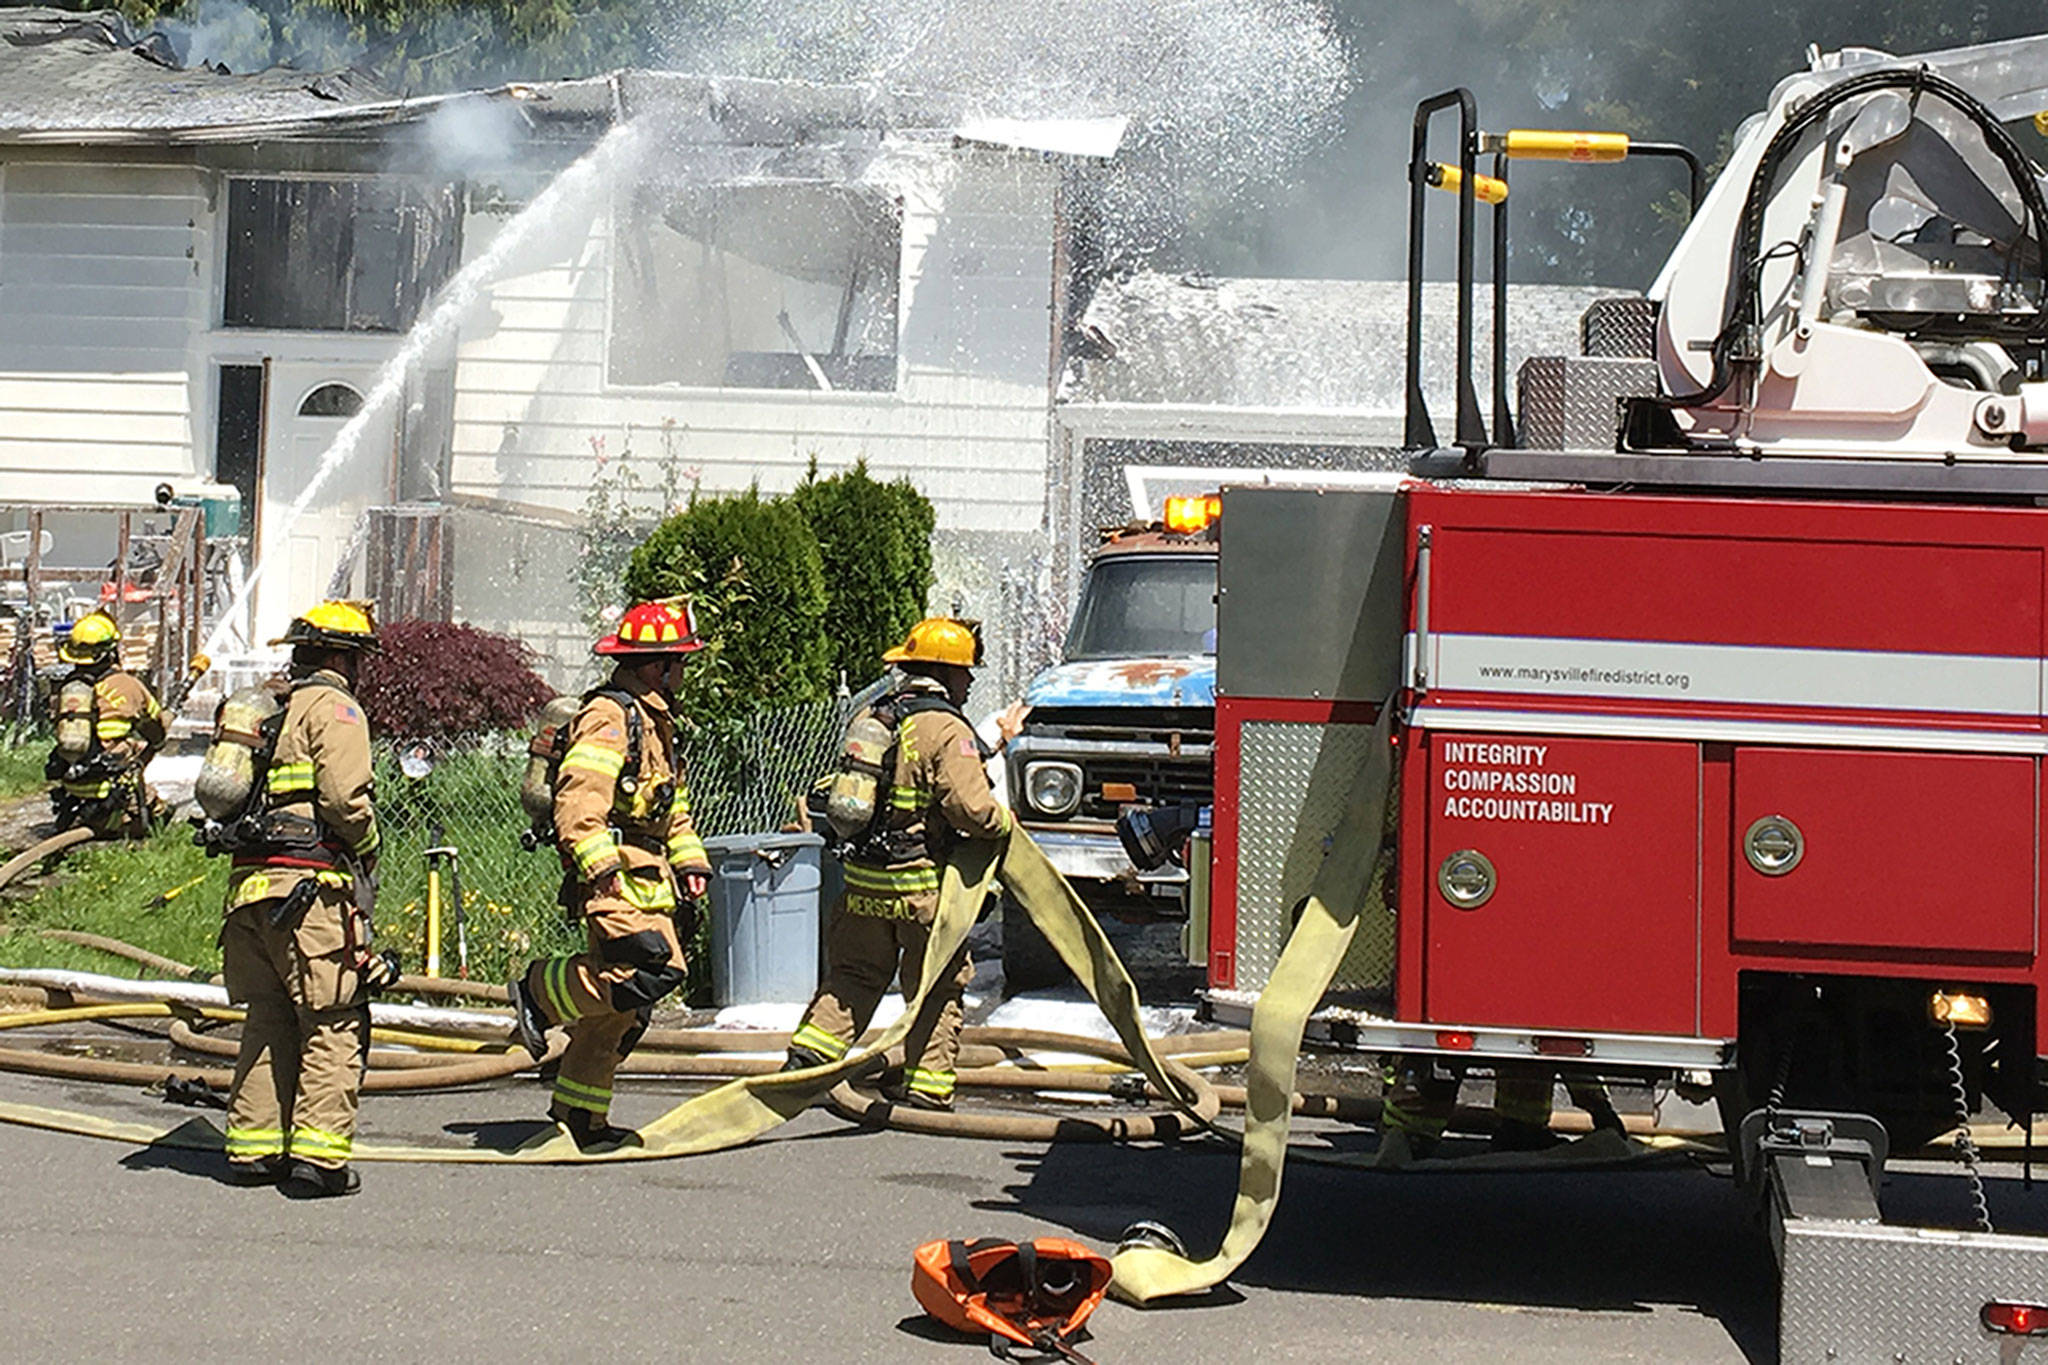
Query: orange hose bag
point(1034, 1293)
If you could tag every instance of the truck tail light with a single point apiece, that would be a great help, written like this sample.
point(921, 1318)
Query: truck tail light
point(2016, 1319)
point(1450, 1040)
point(1564, 1047)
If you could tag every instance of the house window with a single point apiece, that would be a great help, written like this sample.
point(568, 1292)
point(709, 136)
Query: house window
point(777, 286)
point(331, 400)
point(336, 256)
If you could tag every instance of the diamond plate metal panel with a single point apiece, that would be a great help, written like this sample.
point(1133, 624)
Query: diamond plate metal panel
point(1856, 1291)
point(1624, 328)
point(1294, 778)
point(1571, 402)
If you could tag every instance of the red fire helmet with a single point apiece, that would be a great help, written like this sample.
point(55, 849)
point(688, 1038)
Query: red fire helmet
point(664, 627)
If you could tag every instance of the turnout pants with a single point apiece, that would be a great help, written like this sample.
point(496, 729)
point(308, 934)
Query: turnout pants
point(306, 1037)
point(605, 995)
point(864, 953)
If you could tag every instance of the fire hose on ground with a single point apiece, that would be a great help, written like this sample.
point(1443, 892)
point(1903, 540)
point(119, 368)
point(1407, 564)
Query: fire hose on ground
point(748, 1106)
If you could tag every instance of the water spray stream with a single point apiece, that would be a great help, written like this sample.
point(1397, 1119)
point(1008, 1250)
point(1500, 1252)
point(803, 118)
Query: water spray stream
point(570, 191)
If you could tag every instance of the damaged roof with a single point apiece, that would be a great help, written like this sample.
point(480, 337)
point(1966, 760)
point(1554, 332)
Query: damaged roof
point(1336, 346)
point(86, 76)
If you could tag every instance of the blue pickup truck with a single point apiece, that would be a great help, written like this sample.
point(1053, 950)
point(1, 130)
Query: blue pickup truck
point(1127, 717)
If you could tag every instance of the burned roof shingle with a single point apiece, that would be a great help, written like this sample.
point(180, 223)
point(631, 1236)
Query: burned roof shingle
point(86, 76)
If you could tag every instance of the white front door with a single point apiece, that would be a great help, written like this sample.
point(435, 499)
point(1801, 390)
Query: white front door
point(310, 403)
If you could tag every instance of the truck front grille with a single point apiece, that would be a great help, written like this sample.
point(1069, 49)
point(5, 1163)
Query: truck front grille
point(1160, 782)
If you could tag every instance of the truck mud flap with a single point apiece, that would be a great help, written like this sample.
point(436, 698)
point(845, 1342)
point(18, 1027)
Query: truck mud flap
point(1862, 1291)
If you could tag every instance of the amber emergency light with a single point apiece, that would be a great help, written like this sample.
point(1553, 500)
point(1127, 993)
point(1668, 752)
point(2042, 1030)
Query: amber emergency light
point(1188, 515)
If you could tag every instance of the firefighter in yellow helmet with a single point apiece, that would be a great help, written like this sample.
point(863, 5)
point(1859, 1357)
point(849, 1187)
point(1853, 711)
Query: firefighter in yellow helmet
point(295, 948)
point(635, 869)
point(109, 725)
point(938, 792)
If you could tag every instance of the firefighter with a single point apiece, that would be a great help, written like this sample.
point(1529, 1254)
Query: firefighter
point(295, 950)
point(622, 825)
point(109, 725)
point(938, 793)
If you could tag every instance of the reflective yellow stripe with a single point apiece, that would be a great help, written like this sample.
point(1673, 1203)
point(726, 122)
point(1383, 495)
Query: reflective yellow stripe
point(939, 1083)
point(681, 804)
point(573, 1096)
point(254, 1141)
point(909, 798)
point(646, 892)
point(286, 778)
point(594, 758)
point(117, 728)
point(688, 849)
point(594, 850)
point(899, 881)
point(88, 791)
point(370, 841)
point(554, 977)
point(826, 1045)
point(320, 1142)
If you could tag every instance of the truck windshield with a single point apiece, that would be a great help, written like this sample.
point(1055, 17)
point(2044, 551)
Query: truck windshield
point(1139, 605)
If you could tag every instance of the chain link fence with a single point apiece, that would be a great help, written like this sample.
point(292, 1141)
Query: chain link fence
point(465, 797)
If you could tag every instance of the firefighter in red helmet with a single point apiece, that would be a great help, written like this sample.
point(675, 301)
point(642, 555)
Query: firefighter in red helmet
point(636, 869)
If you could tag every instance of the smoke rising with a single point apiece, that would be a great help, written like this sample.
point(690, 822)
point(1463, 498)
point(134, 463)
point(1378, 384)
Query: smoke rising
point(1224, 95)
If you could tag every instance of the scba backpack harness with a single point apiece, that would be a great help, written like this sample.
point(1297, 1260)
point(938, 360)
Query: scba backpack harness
point(1033, 1295)
point(855, 795)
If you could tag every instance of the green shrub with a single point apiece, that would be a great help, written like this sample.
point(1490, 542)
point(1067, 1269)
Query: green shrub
point(875, 542)
point(751, 568)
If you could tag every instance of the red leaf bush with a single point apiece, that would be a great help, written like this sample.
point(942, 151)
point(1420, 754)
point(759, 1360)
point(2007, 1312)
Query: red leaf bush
point(437, 680)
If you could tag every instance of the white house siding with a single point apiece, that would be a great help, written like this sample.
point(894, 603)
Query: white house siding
point(967, 421)
point(103, 288)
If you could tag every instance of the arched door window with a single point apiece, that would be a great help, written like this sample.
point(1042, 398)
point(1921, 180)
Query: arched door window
point(331, 400)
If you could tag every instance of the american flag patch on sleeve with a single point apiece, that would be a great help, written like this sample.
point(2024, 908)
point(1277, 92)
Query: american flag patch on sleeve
point(346, 714)
point(967, 749)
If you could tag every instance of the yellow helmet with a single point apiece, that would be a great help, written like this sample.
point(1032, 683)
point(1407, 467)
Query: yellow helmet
point(939, 640)
point(339, 624)
point(94, 637)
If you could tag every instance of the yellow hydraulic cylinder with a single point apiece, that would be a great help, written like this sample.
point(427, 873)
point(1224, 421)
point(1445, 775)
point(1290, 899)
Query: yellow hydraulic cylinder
point(433, 916)
point(1548, 144)
point(1485, 188)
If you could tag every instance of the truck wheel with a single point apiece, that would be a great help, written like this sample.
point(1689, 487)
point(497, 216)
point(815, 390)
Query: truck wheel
point(1029, 962)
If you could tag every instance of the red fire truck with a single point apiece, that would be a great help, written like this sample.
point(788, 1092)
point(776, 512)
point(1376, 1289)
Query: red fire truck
point(1719, 671)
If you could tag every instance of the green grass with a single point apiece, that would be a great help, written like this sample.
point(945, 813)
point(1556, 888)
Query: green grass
point(106, 889)
point(470, 800)
point(21, 762)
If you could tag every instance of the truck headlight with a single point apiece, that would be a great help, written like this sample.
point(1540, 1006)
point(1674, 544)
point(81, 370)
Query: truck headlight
point(1053, 788)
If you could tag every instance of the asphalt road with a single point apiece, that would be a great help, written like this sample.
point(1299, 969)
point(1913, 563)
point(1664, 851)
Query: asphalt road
point(798, 1248)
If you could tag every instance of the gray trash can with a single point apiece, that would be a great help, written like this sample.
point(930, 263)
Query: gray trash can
point(764, 917)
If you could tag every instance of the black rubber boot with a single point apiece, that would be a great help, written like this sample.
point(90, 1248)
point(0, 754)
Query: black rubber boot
point(917, 1099)
point(264, 1170)
point(304, 1180)
point(528, 1023)
point(1513, 1135)
point(591, 1132)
